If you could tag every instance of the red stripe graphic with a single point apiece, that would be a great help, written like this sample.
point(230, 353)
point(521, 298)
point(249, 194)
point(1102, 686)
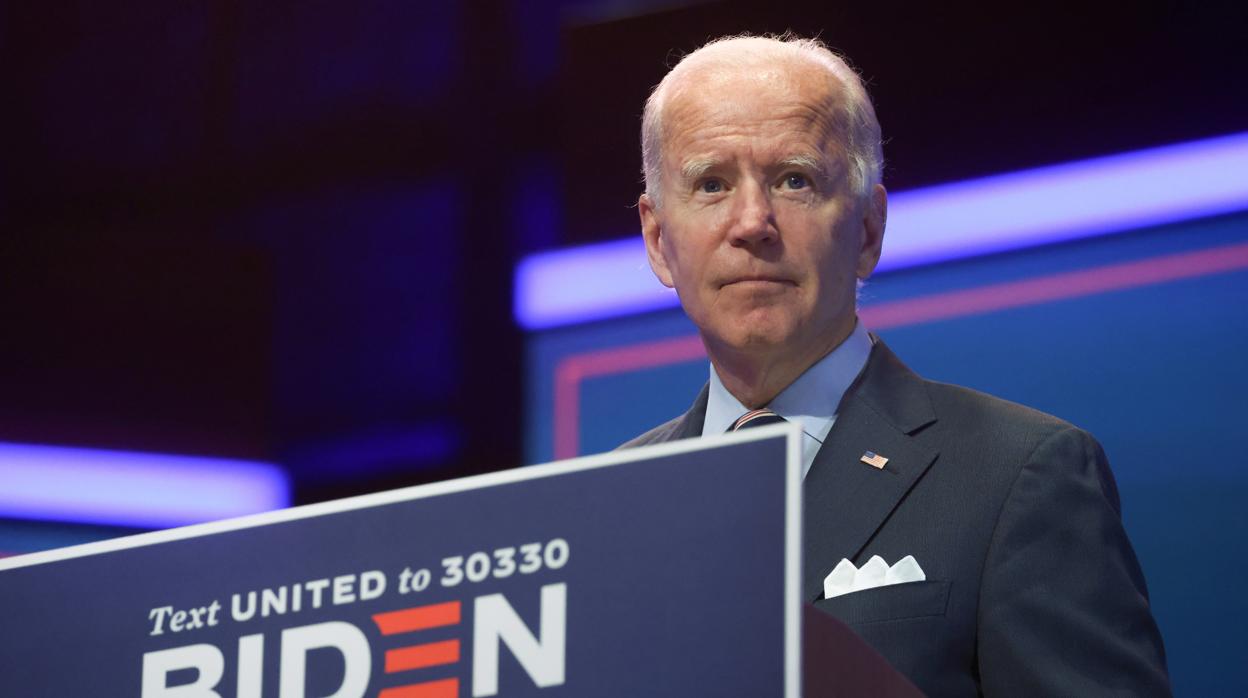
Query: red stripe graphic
point(421, 656)
point(446, 688)
point(418, 618)
point(1044, 289)
point(572, 370)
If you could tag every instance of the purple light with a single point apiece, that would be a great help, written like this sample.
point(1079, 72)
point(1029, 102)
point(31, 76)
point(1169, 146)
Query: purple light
point(123, 488)
point(935, 224)
point(586, 283)
point(1066, 202)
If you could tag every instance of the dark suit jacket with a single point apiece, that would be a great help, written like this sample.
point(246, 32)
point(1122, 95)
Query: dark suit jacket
point(1032, 586)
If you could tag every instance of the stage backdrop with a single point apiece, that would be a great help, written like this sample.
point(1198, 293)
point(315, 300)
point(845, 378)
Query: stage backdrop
point(1139, 337)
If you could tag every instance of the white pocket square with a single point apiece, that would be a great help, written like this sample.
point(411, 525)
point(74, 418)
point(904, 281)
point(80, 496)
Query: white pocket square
point(845, 578)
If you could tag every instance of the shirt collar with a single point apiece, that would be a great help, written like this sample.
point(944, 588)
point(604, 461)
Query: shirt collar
point(811, 400)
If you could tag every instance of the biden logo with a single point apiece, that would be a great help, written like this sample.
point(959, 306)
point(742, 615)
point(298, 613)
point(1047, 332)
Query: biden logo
point(420, 654)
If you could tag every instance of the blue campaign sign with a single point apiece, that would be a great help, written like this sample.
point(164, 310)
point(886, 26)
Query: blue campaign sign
point(670, 570)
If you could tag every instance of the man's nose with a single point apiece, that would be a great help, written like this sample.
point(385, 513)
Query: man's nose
point(754, 221)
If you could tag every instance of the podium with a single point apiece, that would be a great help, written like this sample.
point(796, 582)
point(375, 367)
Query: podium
point(836, 663)
point(671, 570)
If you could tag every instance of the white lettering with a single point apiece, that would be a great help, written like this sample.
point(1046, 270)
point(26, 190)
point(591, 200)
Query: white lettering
point(372, 585)
point(158, 615)
point(273, 602)
point(280, 600)
point(454, 570)
point(531, 558)
point(345, 638)
point(478, 566)
point(250, 665)
point(205, 659)
point(344, 591)
point(197, 620)
point(504, 562)
point(556, 554)
point(239, 614)
point(317, 586)
point(494, 620)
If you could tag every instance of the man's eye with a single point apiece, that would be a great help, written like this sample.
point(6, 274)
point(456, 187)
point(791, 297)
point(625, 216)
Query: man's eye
point(712, 186)
point(796, 181)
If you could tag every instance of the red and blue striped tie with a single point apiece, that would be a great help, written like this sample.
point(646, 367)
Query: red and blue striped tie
point(756, 418)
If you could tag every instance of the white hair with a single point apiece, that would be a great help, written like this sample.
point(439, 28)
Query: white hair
point(855, 114)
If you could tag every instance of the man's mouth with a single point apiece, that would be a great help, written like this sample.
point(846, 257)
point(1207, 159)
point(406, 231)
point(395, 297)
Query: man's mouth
point(759, 280)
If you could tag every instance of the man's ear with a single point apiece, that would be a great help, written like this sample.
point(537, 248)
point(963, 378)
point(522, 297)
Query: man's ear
point(652, 232)
point(874, 218)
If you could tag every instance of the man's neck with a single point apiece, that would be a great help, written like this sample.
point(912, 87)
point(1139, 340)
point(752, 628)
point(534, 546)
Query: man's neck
point(756, 377)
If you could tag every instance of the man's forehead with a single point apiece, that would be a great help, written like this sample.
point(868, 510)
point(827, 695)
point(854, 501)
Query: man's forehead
point(777, 122)
point(728, 83)
point(714, 95)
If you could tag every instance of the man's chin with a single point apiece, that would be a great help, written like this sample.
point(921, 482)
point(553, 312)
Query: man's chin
point(753, 341)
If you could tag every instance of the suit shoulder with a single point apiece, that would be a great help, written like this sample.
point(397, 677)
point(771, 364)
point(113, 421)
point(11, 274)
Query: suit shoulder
point(990, 416)
point(1008, 438)
point(999, 440)
point(660, 434)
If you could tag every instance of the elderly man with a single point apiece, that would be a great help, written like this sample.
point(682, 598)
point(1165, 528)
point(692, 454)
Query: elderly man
point(764, 210)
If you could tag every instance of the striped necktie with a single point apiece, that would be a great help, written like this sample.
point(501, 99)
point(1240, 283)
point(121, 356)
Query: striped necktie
point(756, 418)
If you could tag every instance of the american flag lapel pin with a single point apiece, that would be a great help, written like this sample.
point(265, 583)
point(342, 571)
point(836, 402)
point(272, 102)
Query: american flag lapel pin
point(874, 460)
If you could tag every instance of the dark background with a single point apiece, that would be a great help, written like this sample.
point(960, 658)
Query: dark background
point(286, 231)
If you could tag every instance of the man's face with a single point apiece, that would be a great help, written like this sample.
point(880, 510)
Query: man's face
point(759, 230)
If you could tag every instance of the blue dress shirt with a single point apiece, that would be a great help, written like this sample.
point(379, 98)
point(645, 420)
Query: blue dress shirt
point(811, 400)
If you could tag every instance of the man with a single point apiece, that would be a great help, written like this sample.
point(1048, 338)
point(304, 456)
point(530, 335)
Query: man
point(764, 210)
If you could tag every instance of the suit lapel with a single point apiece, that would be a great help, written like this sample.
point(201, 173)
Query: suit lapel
point(846, 500)
point(690, 423)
